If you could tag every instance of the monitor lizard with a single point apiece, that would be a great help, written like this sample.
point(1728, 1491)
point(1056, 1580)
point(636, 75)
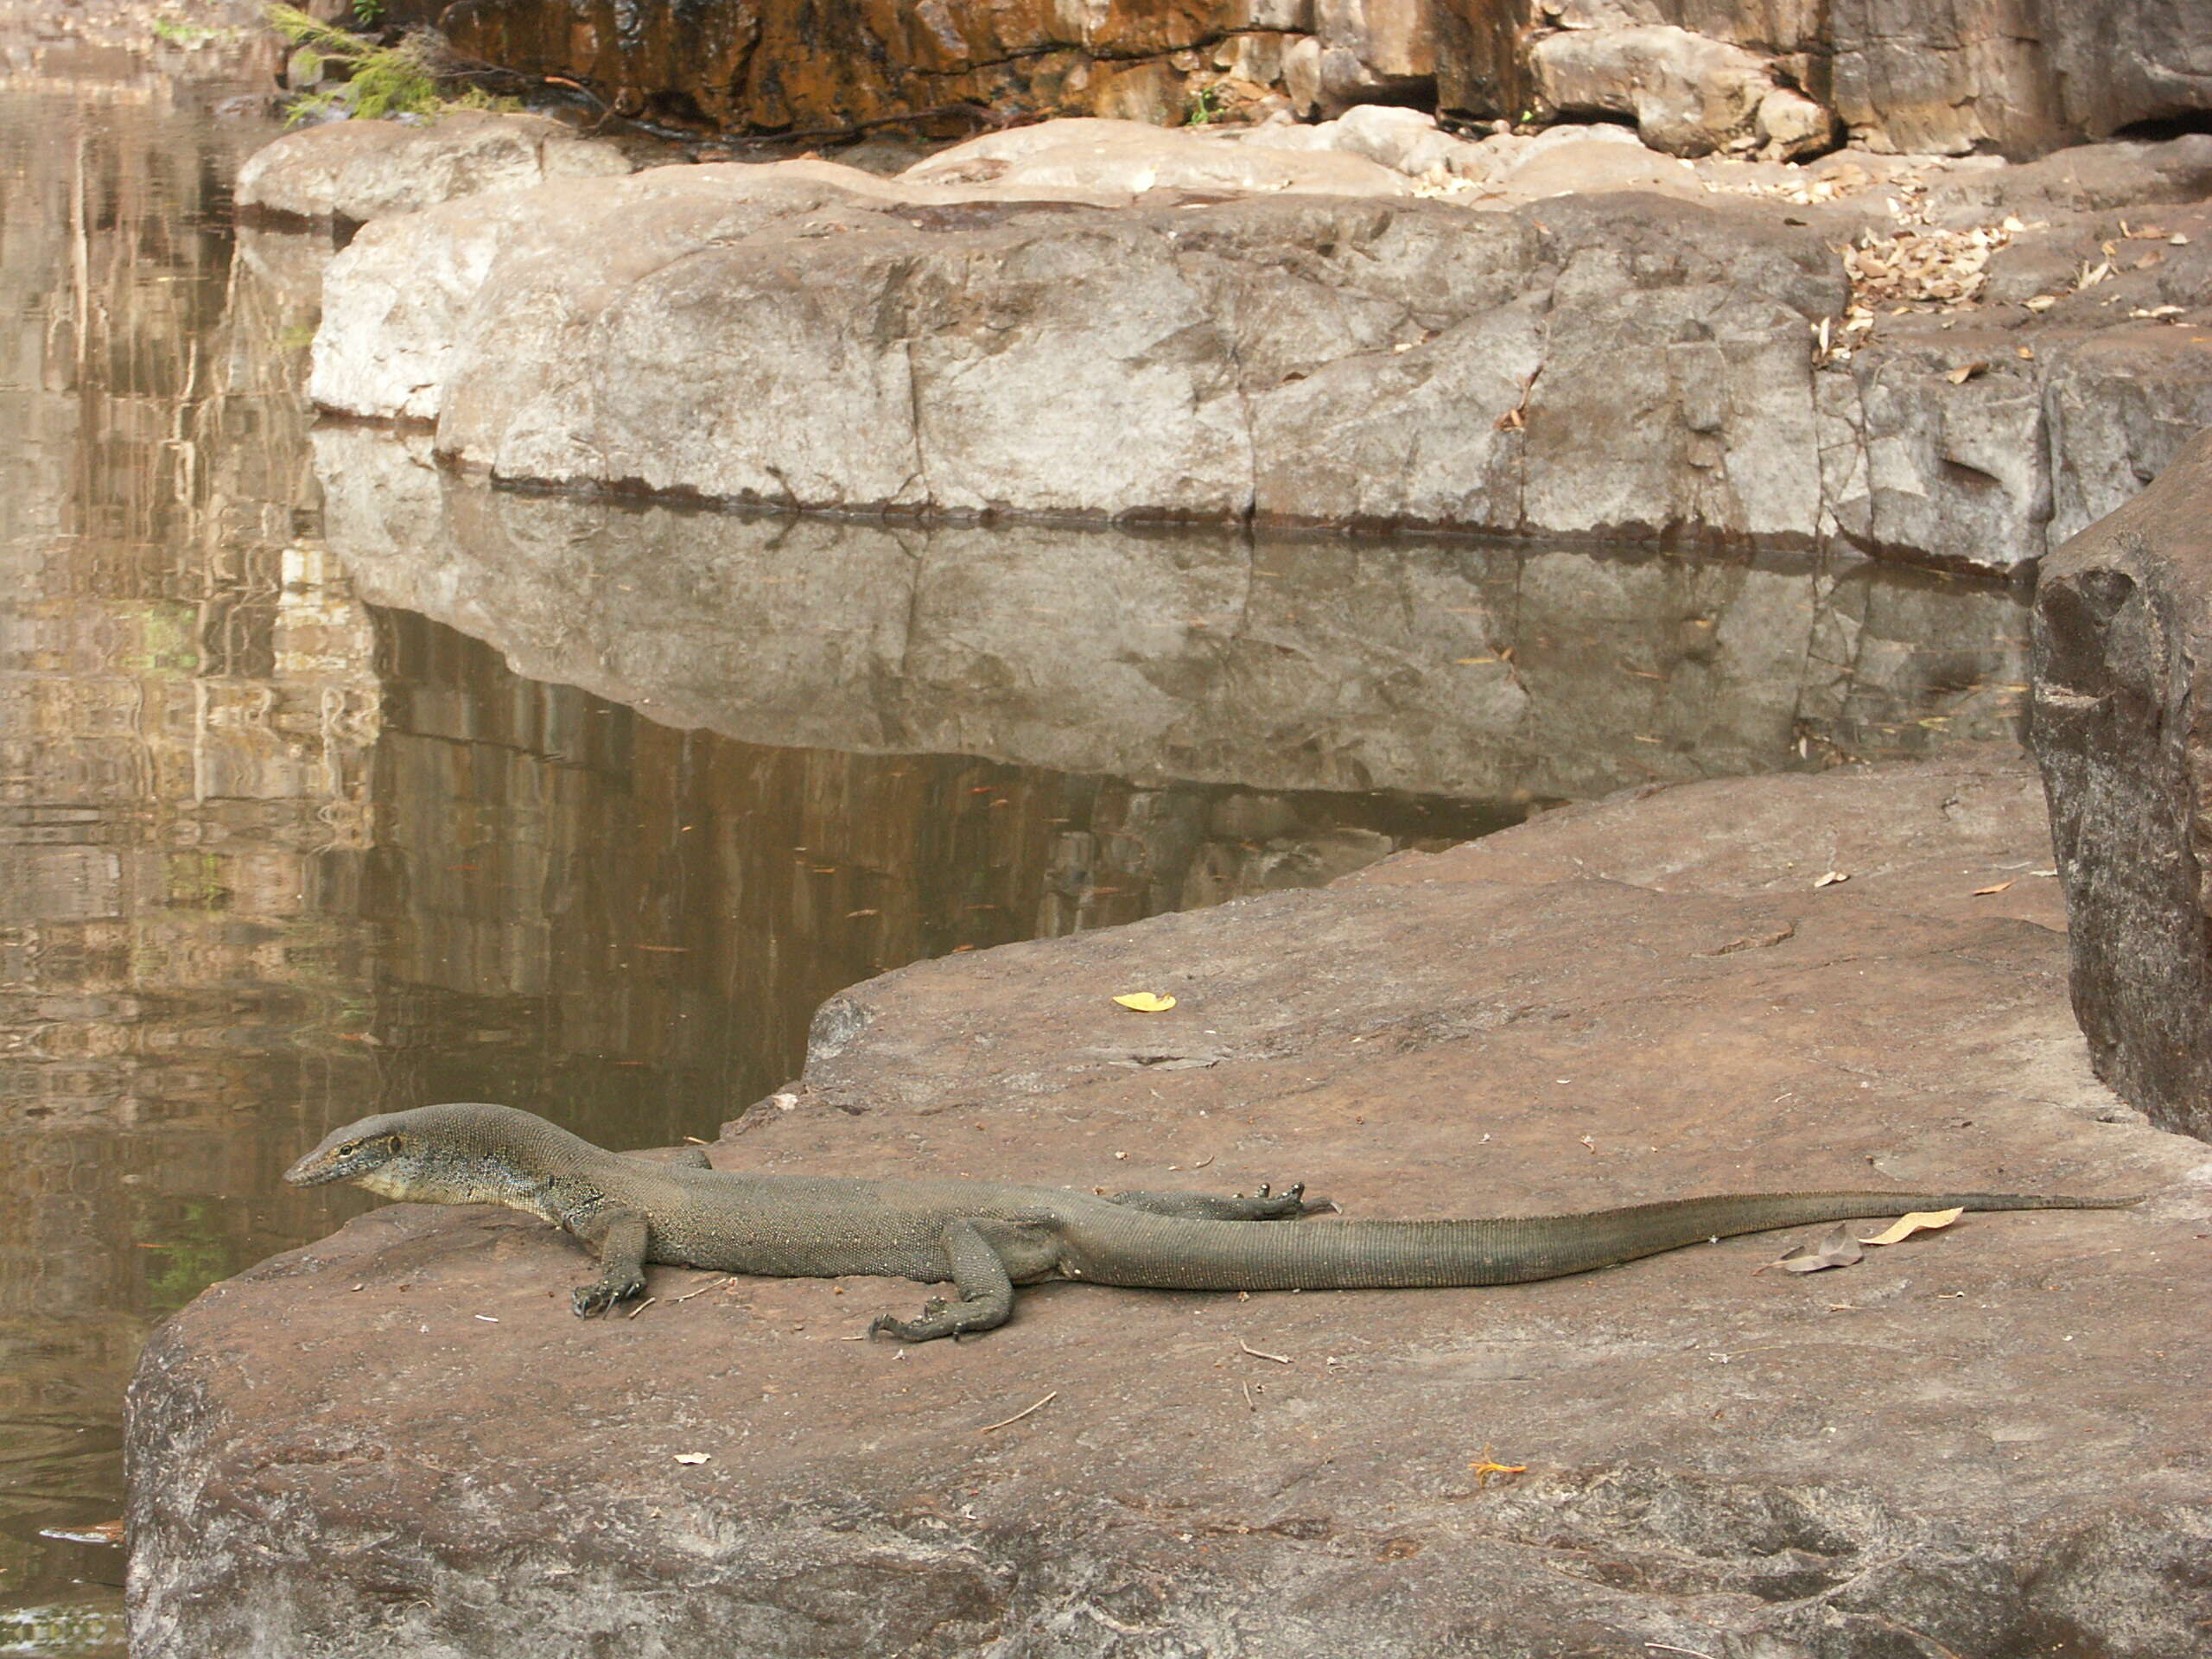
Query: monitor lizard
point(987, 1237)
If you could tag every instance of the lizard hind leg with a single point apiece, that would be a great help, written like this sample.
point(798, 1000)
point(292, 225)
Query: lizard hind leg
point(1265, 1205)
point(986, 1292)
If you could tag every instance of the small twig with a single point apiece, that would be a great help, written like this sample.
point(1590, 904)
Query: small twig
point(1203, 1161)
point(1019, 1416)
point(1249, 1401)
point(702, 1290)
point(643, 1306)
point(1280, 1359)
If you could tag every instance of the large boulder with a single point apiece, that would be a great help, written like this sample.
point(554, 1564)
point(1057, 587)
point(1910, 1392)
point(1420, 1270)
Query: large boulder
point(2123, 645)
point(1098, 320)
point(1986, 1442)
point(802, 335)
point(1687, 95)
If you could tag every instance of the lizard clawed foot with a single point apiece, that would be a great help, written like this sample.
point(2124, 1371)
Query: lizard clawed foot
point(938, 1320)
point(1290, 1203)
point(602, 1294)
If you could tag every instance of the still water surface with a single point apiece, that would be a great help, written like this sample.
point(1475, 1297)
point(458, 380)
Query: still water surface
point(284, 839)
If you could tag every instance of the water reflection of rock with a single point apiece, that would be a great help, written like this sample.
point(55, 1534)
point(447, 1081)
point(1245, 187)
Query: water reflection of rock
point(585, 906)
point(1484, 673)
point(186, 707)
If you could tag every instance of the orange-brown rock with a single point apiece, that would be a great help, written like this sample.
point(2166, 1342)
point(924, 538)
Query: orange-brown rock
point(798, 65)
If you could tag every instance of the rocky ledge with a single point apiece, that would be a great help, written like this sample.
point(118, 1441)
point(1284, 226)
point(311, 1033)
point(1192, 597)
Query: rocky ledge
point(1991, 1440)
point(1959, 362)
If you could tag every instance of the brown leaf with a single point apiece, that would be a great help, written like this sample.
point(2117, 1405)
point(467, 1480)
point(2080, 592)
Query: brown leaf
point(1965, 373)
point(1983, 892)
point(1838, 1250)
point(1919, 1221)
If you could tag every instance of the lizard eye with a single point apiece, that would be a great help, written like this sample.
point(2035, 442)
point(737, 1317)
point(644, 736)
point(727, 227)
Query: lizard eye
point(349, 1149)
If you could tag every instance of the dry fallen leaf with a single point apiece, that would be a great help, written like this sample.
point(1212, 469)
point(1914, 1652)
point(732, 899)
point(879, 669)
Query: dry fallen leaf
point(1965, 373)
point(1832, 877)
point(2041, 303)
point(1983, 892)
point(1146, 1002)
point(104, 1532)
point(693, 1457)
point(1919, 1221)
point(1486, 1468)
point(1838, 1250)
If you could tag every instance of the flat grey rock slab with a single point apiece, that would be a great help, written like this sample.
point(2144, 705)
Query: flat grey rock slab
point(1991, 1440)
point(361, 170)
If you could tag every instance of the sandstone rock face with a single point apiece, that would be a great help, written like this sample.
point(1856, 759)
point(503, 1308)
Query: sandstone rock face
point(2021, 76)
point(362, 169)
point(2123, 639)
point(1501, 674)
point(798, 65)
point(398, 1440)
point(1072, 320)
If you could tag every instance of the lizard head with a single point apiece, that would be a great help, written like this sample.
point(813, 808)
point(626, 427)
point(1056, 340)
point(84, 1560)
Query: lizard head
point(457, 1153)
point(374, 1154)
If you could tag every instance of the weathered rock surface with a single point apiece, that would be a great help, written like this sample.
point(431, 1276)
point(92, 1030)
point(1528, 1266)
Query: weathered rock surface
point(2022, 76)
point(2123, 644)
point(1071, 320)
point(1497, 673)
point(1127, 159)
point(362, 169)
point(1989, 1441)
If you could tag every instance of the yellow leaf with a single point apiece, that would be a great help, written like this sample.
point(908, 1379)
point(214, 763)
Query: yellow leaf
point(1905, 1226)
point(1146, 1002)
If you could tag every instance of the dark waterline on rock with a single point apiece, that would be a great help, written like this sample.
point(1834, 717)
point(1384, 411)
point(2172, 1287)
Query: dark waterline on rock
point(285, 844)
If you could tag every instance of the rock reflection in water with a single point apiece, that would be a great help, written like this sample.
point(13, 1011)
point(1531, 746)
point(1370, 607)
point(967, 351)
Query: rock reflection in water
point(582, 906)
point(1489, 674)
point(181, 738)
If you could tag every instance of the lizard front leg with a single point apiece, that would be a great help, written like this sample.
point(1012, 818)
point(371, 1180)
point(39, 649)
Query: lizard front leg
point(986, 1292)
point(617, 1237)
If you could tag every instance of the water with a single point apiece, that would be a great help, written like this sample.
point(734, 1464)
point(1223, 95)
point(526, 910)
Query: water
point(284, 839)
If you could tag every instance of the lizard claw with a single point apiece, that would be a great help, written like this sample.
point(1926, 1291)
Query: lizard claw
point(602, 1294)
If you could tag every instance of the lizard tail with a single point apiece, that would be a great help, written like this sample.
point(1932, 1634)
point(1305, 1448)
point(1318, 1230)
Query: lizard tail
point(1166, 1253)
